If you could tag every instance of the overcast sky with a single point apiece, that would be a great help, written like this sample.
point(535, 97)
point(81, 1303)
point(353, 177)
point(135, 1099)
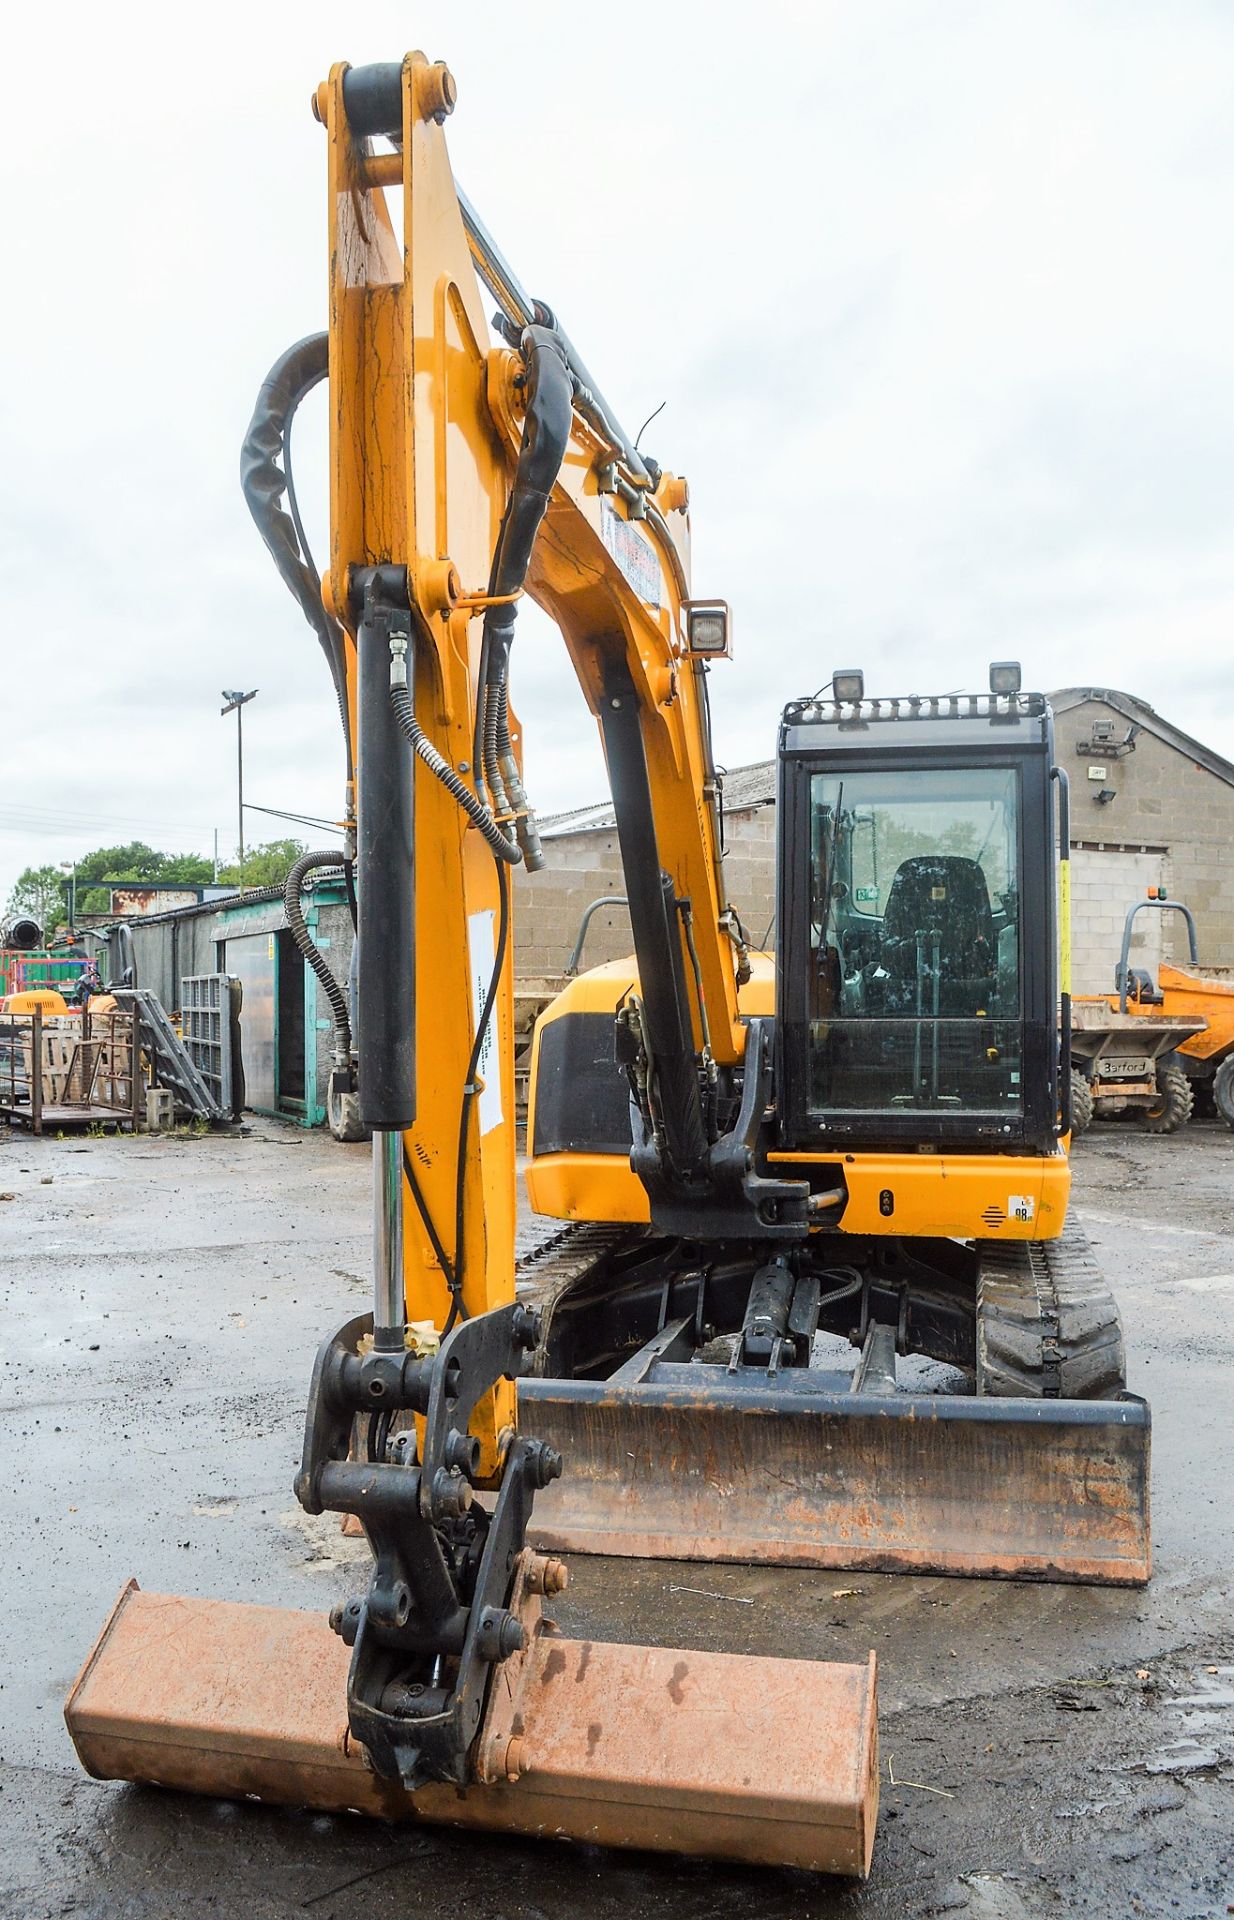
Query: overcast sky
point(938, 298)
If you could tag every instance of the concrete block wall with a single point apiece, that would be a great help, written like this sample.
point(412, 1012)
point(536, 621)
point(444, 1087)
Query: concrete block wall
point(548, 906)
point(334, 937)
point(1162, 799)
point(1103, 885)
point(581, 867)
point(750, 870)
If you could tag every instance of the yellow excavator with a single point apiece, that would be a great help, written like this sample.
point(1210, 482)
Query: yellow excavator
point(864, 1145)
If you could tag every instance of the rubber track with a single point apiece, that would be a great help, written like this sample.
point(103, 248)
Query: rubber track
point(1047, 1325)
point(547, 1271)
point(566, 1251)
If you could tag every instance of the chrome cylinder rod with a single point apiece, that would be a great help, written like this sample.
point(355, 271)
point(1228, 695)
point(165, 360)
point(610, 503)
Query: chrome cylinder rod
point(389, 1300)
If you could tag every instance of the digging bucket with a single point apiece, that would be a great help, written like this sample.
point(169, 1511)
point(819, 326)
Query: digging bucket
point(762, 1761)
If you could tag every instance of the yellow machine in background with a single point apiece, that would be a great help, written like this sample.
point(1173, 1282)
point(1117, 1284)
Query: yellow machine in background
point(1191, 990)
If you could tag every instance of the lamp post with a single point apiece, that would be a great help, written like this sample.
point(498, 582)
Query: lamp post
point(236, 703)
point(69, 867)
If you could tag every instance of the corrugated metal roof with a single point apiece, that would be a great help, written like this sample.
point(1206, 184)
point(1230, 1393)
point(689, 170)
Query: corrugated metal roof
point(251, 897)
point(752, 786)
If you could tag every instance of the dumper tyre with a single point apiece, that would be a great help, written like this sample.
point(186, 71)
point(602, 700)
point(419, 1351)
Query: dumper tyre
point(345, 1122)
point(1081, 1103)
point(1173, 1107)
point(1223, 1090)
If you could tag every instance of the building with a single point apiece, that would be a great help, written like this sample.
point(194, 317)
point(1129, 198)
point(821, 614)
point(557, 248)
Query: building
point(1150, 807)
point(582, 863)
point(135, 899)
point(286, 1027)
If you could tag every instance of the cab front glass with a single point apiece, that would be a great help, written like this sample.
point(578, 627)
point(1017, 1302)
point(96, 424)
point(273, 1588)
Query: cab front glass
point(914, 942)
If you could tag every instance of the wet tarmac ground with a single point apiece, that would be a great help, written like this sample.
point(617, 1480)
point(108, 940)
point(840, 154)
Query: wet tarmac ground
point(1046, 1750)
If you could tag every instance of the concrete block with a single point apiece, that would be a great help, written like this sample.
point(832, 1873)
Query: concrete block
point(160, 1110)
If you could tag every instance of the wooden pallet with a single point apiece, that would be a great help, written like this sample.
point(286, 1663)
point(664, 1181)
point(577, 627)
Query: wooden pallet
point(70, 1069)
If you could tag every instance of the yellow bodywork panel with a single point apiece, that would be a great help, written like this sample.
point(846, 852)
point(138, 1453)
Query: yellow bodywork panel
point(986, 1196)
point(46, 999)
point(989, 1196)
point(587, 1186)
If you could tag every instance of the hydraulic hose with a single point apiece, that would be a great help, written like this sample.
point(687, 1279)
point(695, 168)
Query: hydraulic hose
point(479, 815)
point(312, 953)
point(549, 394)
point(268, 440)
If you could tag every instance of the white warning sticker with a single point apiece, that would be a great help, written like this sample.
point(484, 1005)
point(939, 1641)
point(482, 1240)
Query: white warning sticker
point(481, 948)
point(635, 556)
point(1020, 1206)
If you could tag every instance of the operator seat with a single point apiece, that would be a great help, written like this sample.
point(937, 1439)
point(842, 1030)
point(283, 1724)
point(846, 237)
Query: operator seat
point(944, 894)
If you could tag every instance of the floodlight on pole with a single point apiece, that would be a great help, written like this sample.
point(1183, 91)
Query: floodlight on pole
point(236, 703)
point(69, 868)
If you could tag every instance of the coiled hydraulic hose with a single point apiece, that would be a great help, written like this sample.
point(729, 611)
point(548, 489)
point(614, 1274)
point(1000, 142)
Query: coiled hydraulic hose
point(457, 788)
point(309, 948)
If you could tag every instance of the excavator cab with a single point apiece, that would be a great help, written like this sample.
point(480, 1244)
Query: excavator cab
point(916, 968)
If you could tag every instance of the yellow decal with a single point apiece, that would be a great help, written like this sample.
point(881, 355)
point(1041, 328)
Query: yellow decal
point(1064, 926)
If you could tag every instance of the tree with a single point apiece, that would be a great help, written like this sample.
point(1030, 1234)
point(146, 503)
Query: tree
point(40, 893)
point(190, 869)
point(265, 866)
point(138, 862)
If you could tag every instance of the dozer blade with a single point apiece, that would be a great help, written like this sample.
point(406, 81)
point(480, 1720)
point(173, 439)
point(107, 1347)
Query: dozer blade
point(772, 1762)
point(713, 1469)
